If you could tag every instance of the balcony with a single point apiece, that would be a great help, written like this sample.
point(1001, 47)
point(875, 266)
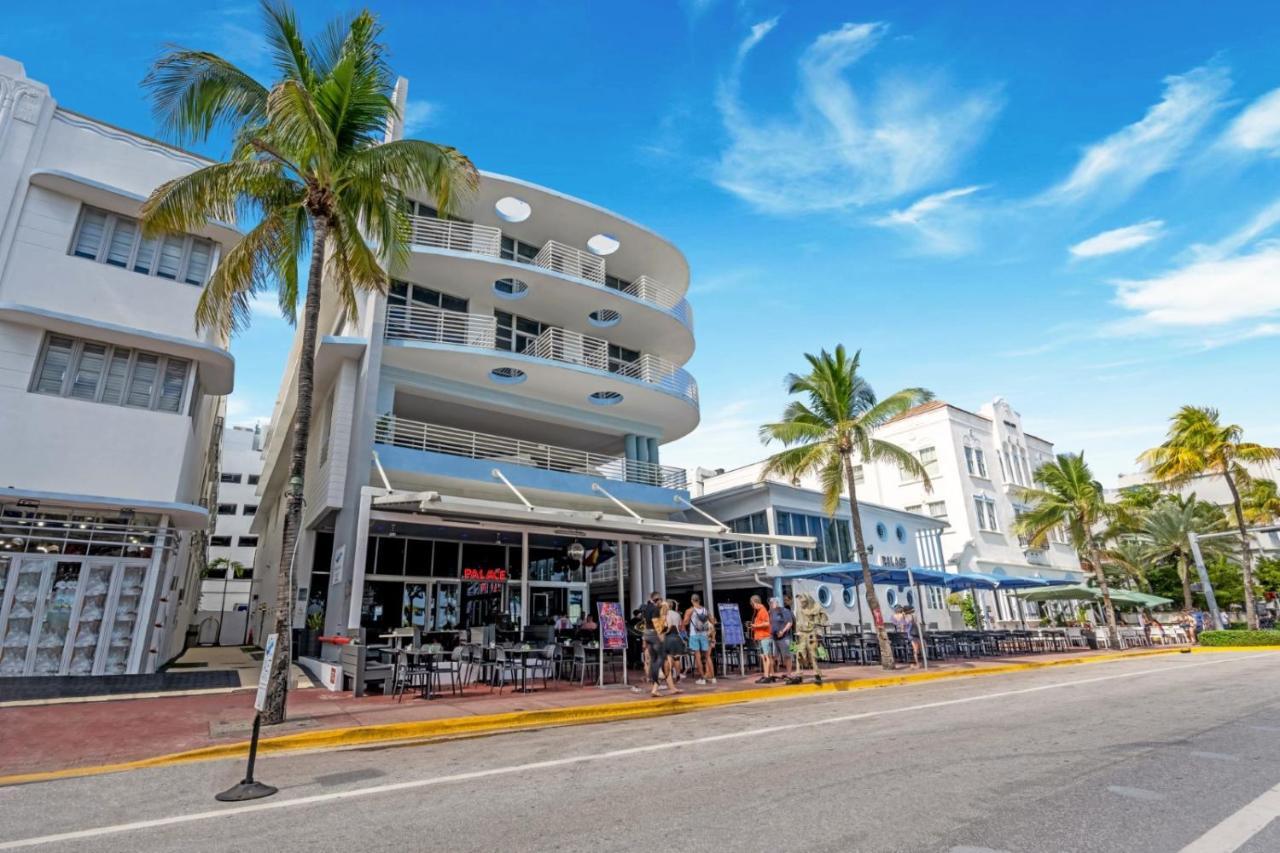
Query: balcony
point(432, 438)
point(434, 325)
point(555, 257)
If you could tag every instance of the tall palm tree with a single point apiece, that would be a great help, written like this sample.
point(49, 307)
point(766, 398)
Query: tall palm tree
point(1261, 501)
point(309, 163)
point(1166, 527)
point(1198, 443)
point(1068, 496)
point(824, 431)
point(1129, 558)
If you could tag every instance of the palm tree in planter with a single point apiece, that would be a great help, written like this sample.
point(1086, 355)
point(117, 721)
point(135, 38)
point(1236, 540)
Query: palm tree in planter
point(823, 431)
point(310, 164)
point(1199, 444)
point(1166, 528)
point(1069, 497)
point(229, 568)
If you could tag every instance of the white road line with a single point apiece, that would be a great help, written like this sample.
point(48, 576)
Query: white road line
point(1237, 829)
point(392, 787)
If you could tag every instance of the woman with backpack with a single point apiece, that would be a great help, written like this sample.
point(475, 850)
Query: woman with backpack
point(700, 627)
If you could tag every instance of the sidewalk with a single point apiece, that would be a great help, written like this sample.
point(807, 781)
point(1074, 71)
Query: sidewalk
point(57, 737)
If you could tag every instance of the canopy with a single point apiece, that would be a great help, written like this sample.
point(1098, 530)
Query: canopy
point(850, 574)
point(1081, 592)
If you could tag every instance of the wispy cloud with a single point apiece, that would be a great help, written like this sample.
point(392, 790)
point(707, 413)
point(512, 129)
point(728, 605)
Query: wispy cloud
point(1119, 239)
point(1262, 222)
point(1206, 293)
point(265, 306)
point(235, 33)
point(730, 280)
point(936, 221)
point(843, 148)
point(1257, 127)
point(1131, 156)
point(418, 115)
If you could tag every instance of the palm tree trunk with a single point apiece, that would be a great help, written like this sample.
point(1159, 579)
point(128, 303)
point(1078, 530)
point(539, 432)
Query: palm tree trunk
point(1183, 576)
point(1108, 608)
point(860, 546)
point(278, 687)
point(1246, 553)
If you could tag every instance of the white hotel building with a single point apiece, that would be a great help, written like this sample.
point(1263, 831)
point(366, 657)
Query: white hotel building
point(503, 405)
point(108, 398)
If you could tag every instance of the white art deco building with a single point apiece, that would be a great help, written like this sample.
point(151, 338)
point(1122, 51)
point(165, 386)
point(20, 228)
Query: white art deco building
point(108, 398)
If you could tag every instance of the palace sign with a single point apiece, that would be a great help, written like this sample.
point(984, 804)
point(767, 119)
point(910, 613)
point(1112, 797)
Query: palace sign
point(485, 575)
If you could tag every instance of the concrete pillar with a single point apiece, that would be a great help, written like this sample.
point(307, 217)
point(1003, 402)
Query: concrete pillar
point(646, 563)
point(659, 569)
point(636, 573)
point(652, 444)
point(642, 449)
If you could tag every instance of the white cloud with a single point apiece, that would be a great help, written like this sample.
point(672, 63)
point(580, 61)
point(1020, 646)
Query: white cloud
point(418, 115)
point(940, 225)
point(1207, 293)
point(240, 410)
point(1131, 156)
point(1260, 224)
point(1119, 239)
point(265, 306)
point(844, 148)
point(728, 435)
point(1257, 127)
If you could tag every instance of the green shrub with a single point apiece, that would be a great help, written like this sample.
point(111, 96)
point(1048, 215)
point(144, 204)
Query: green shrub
point(1239, 638)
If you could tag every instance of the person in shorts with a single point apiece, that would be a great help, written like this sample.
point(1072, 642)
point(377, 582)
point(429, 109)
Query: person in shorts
point(782, 623)
point(763, 635)
point(699, 625)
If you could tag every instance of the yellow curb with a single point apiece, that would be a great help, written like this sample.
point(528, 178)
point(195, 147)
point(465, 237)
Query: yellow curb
point(454, 727)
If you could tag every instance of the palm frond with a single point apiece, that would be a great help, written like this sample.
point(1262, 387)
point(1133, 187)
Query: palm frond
point(194, 91)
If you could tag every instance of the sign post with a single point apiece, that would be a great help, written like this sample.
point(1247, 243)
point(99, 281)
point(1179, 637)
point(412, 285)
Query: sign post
point(247, 788)
point(731, 635)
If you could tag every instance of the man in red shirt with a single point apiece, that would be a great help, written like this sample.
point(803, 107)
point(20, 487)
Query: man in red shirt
point(763, 635)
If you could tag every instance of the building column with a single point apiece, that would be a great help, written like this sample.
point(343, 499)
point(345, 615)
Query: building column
point(646, 562)
point(355, 589)
point(707, 595)
point(659, 569)
point(636, 573)
point(630, 454)
point(524, 579)
point(652, 445)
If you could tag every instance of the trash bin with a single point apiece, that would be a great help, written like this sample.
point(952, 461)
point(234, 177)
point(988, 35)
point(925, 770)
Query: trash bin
point(1090, 638)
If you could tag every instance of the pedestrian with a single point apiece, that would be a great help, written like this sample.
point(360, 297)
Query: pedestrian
point(908, 628)
point(661, 664)
point(675, 641)
point(761, 633)
point(1189, 626)
point(782, 623)
point(699, 625)
point(588, 626)
point(655, 622)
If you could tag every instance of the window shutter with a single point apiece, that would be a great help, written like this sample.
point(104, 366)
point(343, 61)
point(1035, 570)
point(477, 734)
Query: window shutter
point(123, 234)
point(89, 240)
point(88, 371)
point(117, 372)
point(198, 263)
point(146, 255)
point(57, 357)
point(170, 257)
point(143, 381)
point(175, 380)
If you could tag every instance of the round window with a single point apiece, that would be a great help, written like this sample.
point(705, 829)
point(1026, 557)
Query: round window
point(911, 598)
point(604, 318)
point(891, 597)
point(824, 595)
point(850, 596)
point(605, 398)
point(901, 533)
point(510, 288)
point(882, 531)
point(507, 375)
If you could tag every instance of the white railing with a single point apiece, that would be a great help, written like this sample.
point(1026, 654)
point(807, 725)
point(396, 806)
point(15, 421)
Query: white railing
point(650, 290)
point(457, 236)
point(416, 435)
point(435, 325)
point(564, 259)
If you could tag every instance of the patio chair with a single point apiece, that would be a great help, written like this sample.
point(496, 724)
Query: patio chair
point(503, 670)
point(581, 664)
point(1075, 639)
point(547, 663)
point(411, 675)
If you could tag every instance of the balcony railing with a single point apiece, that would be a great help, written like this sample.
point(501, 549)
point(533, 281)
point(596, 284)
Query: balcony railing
point(435, 325)
point(416, 435)
point(554, 256)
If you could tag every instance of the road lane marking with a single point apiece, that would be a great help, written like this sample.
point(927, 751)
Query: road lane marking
point(610, 755)
point(1233, 832)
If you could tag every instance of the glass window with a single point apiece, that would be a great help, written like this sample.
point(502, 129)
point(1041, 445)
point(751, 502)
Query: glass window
point(169, 262)
point(123, 233)
point(938, 509)
point(117, 240)
point(146, 258)
point(518, 250)
point(928, 457)
point(53, 367)
point(93, 225)
point(143, 381)
point(113, 388)
point(230, 478)
point(981, 459)
point(91, 370)
point(247, 542)
point(226, 509)
point(172, 385)
point(249, 509)
point(219, 541)
point(88, 372)
point(913, 508)
point(253, 479)
point(390, 556)
point(417, 559)
point(198, 262)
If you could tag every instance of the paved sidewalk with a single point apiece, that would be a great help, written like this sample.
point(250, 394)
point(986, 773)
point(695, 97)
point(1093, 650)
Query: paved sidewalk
point(54, 737)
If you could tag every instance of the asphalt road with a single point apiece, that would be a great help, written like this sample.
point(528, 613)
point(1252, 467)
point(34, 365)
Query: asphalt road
point(1160, 754)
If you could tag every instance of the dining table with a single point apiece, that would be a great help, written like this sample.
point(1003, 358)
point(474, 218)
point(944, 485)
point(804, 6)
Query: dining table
point(432, 656)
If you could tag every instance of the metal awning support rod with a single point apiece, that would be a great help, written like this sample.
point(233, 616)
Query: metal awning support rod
point(596, 487)
point(681, 499)
point(500, 476)
point(382, 472)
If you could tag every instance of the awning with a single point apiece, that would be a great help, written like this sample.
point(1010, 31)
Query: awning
point(1081, 592)
point(850, 574)
point(437, 507)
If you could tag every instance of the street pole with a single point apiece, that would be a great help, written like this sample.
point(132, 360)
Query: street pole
point(1204, 581)
point(248, 788)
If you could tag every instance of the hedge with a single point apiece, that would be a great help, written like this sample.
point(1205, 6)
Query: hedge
point(1239, 638)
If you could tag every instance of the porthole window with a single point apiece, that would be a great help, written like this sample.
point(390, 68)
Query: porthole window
point(901, 533)
point(891, 597)
point(850, 596)
point(512, 209)
point(510, 288)
point(824, 595)
point(603, 244)
point(508, 375)
point(882, 531)
point(911, 598)
point(604, 318)
point(605, 398)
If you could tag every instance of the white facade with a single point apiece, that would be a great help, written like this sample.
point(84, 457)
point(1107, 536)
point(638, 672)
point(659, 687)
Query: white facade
point(530, 352)
point(240, 468)
point(108, 399)
point(978, 462)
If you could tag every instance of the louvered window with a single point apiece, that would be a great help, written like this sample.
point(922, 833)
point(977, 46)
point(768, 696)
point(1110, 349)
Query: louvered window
point(105, 373)
point(110, 238)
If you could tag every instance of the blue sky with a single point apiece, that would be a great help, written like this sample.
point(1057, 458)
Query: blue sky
point(1076, 209)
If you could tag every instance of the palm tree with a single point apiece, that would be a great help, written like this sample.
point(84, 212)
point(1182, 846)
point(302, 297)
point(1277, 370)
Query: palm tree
point(1129, 558)
point(229, 568)
point(1166, 528)
point(1198, 443)
point(1261, 501)
point(1068, 496)
point(311, 164)
point(824, 431)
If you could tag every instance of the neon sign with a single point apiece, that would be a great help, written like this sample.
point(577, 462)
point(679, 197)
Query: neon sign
point(496, 575)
